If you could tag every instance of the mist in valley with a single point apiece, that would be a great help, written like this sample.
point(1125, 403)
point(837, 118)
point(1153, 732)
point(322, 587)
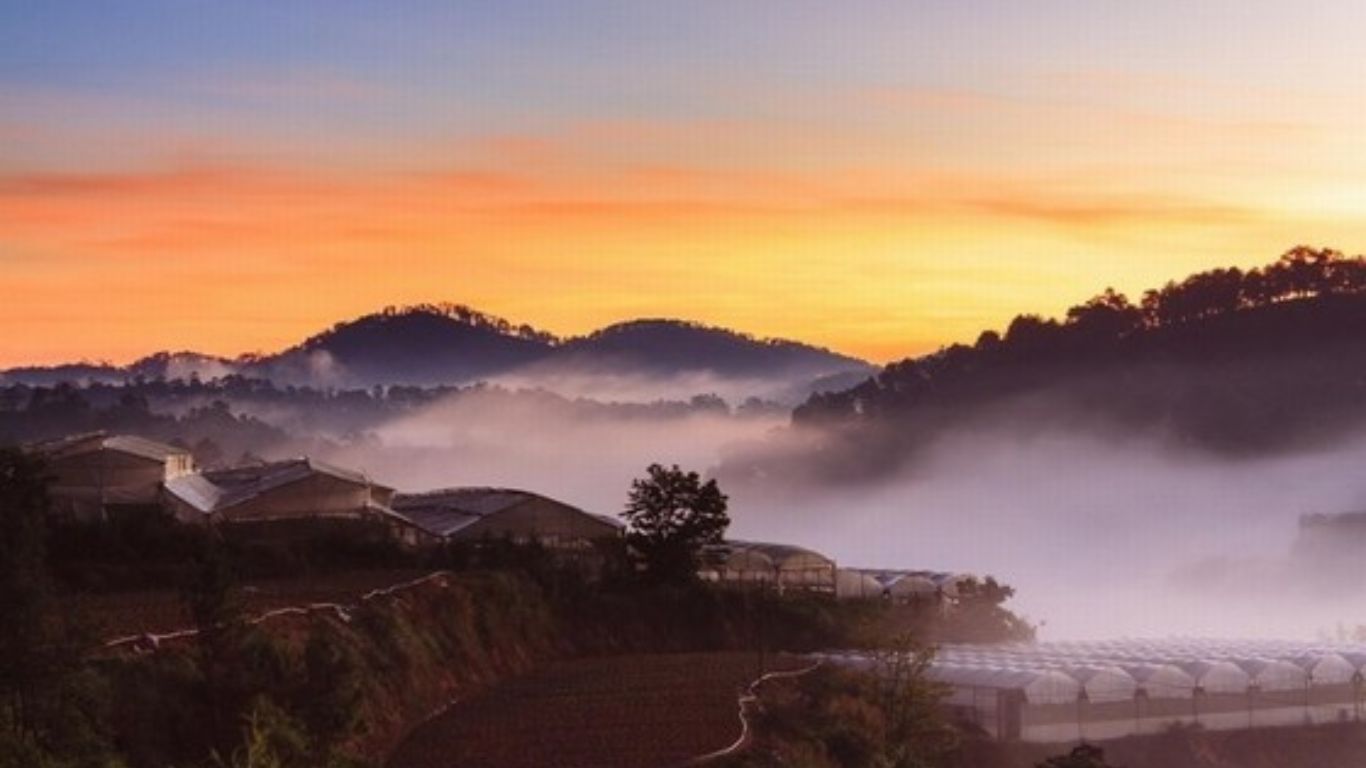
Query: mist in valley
point(1104, 533)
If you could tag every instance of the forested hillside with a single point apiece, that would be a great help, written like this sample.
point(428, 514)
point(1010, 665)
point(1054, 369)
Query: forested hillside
point(1230, 361)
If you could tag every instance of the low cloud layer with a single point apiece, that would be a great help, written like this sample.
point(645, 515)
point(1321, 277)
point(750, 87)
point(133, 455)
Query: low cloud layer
point(1102, 538)
point(585, 453)
point(1103, 535)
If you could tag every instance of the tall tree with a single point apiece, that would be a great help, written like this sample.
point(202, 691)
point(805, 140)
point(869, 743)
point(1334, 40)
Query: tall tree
point(1106, 317)
point(671, 515)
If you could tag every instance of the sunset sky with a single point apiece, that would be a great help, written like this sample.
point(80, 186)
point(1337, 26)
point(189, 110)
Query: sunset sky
point(877, 177)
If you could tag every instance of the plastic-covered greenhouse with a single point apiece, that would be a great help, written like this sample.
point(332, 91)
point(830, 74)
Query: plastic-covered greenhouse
point(1063, 691)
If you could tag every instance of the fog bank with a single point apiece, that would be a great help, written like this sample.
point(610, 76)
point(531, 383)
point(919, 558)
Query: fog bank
point(1102, 535)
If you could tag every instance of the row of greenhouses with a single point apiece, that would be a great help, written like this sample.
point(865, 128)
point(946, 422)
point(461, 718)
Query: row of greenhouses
point(899, 586)
point(1064, 691)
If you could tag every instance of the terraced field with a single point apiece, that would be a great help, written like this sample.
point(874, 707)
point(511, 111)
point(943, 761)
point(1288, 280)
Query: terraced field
point(645, 711)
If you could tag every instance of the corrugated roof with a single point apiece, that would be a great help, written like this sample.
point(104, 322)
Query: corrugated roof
point(223, 488)
point(779, 553)
point(195, 490)
point(1177, 667)
point(77, 445)
point(440, 521)
point(446, 511)
point(470, 501)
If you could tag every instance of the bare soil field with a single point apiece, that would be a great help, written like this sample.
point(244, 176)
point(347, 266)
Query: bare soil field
point(644, 711)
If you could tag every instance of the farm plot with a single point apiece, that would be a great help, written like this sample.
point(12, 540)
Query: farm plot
point(645, 711)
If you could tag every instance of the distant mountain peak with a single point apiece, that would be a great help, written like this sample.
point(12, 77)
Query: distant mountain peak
point(454, 344)
point(667, 325)
point(671, 344)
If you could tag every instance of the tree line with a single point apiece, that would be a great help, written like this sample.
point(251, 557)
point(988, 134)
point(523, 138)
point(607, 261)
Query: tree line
point(1300, 273)
point(1101, 329)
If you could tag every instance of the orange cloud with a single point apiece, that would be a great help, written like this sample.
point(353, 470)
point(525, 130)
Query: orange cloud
point(877, 259)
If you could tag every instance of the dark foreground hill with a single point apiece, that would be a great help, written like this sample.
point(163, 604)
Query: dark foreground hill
point(1233, 362)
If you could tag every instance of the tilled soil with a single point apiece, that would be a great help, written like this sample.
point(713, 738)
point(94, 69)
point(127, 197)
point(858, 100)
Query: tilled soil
point(644, 711)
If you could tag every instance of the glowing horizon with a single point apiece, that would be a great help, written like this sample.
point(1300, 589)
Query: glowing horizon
point(878, 178)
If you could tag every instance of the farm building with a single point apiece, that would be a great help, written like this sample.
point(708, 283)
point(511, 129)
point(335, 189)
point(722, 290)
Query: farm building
point(96, 472)
point(1060, 692)
point(478, 514)
point(781, 565)
point(284, 495)
point(900, 586)
point(856, 583)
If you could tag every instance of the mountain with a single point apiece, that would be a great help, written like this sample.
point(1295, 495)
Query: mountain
point(673, 346)
point(66, 373)
point(447, 344)
point(1234, 363)
point(424, 345)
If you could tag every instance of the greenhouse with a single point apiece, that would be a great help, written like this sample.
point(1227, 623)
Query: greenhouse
point(913, 586)
point(1065, 691)
point(779, 565)
point(854, 584)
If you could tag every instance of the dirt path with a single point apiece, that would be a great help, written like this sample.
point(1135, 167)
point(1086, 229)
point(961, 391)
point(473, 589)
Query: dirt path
point(127, 613)
point(648, 711)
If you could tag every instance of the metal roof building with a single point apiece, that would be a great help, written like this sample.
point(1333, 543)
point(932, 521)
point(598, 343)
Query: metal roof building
point(294, 490)
point(476, 514)
point(95, 472)
point(1064, 691)
point(781, 565)
point(899, 585)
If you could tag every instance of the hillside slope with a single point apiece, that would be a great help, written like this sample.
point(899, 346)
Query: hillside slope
point(1219, 362)
point(425, 345)
point(668, 346)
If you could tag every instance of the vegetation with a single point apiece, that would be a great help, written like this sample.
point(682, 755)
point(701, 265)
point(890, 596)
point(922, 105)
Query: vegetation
point(889, 717)
point(49, 702)
point(1225, 360)
point(672, 515)
point(979, 615)
point(336, 687)
point(324, 688)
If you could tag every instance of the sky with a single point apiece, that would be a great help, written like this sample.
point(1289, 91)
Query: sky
point(881, 178)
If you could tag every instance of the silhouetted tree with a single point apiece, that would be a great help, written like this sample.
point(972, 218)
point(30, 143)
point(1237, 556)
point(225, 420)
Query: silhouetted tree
point(1030, 332)
point(671, 515)
point(917, 734)
point(1107, 316)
